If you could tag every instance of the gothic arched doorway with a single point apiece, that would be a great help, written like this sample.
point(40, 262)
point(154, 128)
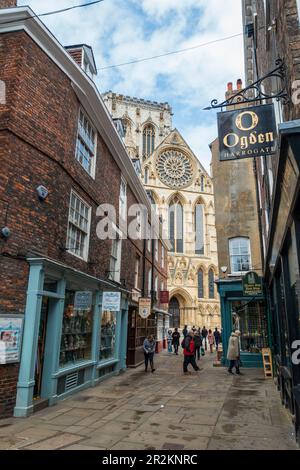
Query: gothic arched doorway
point(174, 310)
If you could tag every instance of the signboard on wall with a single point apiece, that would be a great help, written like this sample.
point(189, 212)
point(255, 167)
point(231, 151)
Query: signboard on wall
point(252, 285)
point(11, 328)
point(144, 307)
point(111, 301)
point(247, 132)
point(83, 300)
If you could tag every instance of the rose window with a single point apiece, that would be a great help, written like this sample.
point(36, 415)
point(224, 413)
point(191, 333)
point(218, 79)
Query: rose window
point(174, 169)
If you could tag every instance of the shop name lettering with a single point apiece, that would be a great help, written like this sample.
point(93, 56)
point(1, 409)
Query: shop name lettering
point(296, 353)
point(247, 143)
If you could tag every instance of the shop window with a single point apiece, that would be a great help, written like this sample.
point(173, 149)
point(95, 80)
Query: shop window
point(86, 144)
point(251, 320)
point(78, 227)
point(240, 255)
point(76, 338)
point(108, 336)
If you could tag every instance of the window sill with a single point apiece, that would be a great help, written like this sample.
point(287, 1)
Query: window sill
point(77, 256)
point(105, 363)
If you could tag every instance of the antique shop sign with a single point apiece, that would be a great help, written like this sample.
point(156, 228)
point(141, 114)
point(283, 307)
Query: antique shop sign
point(10, 338)
point(83, 300)
point(252, 285)
point(111, 301)
point(247, 132)
point(144, 307)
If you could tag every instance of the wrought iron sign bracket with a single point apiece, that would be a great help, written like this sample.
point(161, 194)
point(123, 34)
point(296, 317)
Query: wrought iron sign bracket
point(255, 92)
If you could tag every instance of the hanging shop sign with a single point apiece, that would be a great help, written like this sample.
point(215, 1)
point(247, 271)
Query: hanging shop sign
point(164, 297)
point(247, 132)
point(83, 300)
point(144, 307)
point(252, 285)
point(111, 301)
point(11, 327)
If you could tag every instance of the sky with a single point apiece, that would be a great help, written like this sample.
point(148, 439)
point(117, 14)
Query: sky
point(124, 30)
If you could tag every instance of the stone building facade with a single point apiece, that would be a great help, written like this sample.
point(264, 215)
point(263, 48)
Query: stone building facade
point(182, 192)
point(58, 164)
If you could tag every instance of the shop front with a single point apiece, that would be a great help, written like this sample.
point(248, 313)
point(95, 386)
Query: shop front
point(282, 275)
point(162, 327)
point(247, 314)
point(72, 337)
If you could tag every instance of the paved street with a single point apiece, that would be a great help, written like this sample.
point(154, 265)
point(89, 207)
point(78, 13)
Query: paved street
point(164, 410)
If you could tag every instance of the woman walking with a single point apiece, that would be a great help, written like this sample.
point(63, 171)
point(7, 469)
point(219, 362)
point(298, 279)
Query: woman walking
point(169, 339)
point(149, 350)
point(210, 338)
point(176, 340)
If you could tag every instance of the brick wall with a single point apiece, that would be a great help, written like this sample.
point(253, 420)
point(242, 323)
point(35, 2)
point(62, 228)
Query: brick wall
point(8, 388)
point(8, 3)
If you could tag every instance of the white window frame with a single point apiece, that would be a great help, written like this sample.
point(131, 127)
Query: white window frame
point(81, 136)
point(156, 285)
point(137, 272)
point(298, 6)
point(235, 273)
point(149, 239)
point(156, 249)
point(77, 226)
point(115, 261)
point(162, 256)
point(123, 199)
point(149, 281)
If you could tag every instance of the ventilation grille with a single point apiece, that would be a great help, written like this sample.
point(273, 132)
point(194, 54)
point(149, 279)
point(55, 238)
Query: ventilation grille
point(106, 370)
point(70, 381)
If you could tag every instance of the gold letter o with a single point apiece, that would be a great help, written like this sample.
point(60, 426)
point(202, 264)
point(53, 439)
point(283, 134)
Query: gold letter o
point(239, 121)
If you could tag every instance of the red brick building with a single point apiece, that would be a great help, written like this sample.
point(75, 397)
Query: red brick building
point(61, 158)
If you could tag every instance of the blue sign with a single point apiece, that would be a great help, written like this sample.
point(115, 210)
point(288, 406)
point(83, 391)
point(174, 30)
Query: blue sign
point(111, 301)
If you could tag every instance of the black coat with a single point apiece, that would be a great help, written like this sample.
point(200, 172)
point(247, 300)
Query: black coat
point(198, 341)
point(175, 337)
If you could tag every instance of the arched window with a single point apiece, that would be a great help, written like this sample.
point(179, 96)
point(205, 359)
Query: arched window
point(240, 255)
point(200, 284)
point(148, 140)
point(146, 175)
point(176, 226)
point(126, 126)
point(199, 230)
point(211, 284)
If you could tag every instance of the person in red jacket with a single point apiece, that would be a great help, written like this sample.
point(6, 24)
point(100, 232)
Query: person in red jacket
point(188, 345)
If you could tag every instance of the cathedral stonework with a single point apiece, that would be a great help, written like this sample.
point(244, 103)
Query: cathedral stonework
point(182, 192)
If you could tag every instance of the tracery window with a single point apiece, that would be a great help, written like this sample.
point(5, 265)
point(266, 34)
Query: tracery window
point(199, 230)
point(211, 284)
point(176, 226)
point(200, 284)
point(148, 140)
point(174, 169)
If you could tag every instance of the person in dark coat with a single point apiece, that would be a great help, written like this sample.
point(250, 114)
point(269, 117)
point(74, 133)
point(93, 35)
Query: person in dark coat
point(198, 344)
point(149, 351)
point(185, 331)
point(188, 345)
point(176, 340)
point(217, 336)
point(204, 334)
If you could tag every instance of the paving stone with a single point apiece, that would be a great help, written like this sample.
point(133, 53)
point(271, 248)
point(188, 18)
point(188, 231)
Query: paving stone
point(157, 440)
point(56, 442)
point(82, 447)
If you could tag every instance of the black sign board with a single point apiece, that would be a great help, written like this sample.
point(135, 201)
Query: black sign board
point(247, 132)
point(252, 285)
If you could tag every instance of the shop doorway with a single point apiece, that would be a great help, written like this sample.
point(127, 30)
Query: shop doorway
point(39, 363)
point(174, 310)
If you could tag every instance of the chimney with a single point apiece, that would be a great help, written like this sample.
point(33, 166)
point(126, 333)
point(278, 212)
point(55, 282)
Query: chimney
point(239, 84)
point(8, 3)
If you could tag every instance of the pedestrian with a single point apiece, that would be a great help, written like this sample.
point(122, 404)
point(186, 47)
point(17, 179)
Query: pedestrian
point(185, 331)
point(198, 344)
point(188, 344)
point(204, 334)
point(217, 336)
point(233, 353)
point(176, 340)
point(149, 350)
point(211, 340)
point(169, 339)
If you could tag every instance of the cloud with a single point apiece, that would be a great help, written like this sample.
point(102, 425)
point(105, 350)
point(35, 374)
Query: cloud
point(122, 31)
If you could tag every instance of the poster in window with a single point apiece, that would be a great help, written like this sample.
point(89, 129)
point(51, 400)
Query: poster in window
point(11, 327)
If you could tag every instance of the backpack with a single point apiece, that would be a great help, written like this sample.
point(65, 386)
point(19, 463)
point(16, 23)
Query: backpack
point(185, 344)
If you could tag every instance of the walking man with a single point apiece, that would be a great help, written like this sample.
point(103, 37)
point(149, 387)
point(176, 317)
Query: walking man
point(149, 350)
point(188, 345)
point(204, 334)
point(185, 331)
point(198, 344)
point(233, 353)
point(175, 340)
point(217, 337)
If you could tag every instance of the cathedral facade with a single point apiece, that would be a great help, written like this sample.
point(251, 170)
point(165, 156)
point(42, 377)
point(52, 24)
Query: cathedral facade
point(182, 192)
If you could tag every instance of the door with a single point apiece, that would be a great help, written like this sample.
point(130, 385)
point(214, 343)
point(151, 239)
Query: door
point(39, 363)
point(174, 310)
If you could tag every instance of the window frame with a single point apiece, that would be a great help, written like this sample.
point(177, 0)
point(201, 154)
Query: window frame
point(148, 145)
point(70, 222)
point(176, 203)
point(80, 137)
point(123, 201)
point(115, 275)
point(231, 255)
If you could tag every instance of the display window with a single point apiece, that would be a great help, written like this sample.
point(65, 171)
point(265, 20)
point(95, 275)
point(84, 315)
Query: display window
point(250, 318)
point(76, 338)
point(108, 336)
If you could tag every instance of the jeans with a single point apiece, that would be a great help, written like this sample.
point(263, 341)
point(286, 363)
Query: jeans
point(169, 346)
point(189, 360)
point(197, 352)
point(234, 363)
point(176, 346)
point(149, 357)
